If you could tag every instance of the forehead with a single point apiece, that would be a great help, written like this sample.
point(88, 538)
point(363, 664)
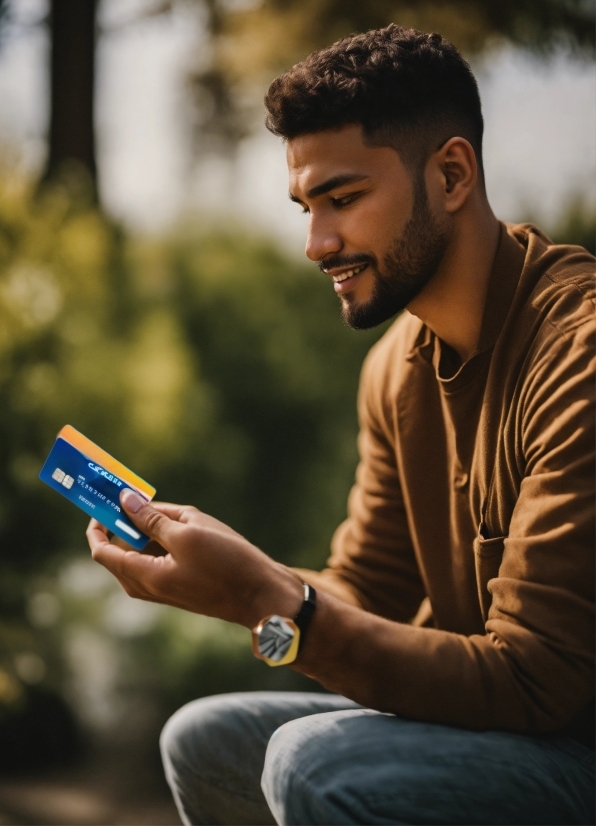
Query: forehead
point(319, 156)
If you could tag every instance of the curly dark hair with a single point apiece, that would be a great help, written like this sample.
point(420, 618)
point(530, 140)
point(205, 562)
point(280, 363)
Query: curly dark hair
point(408, 89)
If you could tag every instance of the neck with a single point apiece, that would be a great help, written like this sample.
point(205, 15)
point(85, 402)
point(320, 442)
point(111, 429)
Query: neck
point(452, 303)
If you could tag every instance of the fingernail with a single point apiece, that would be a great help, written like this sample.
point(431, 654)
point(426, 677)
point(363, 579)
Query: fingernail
point(131, 501)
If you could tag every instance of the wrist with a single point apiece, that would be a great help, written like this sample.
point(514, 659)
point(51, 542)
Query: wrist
point(282, 593)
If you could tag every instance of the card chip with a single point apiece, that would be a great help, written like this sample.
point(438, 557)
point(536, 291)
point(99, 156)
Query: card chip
point(63, 478)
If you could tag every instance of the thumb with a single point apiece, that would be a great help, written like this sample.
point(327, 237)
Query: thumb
point(155, 524)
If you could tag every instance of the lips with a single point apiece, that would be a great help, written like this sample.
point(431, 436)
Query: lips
point(346, 280)
point(343, 276)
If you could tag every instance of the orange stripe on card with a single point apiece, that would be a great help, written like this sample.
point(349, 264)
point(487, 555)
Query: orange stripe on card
point(96, 454)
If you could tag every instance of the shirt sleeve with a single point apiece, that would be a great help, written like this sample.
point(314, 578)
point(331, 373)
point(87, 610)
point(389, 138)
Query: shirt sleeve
point(372, 557)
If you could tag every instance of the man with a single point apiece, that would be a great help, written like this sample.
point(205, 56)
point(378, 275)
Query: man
point(454, 622)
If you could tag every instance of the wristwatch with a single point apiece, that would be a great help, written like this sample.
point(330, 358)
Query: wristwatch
point(278, 640)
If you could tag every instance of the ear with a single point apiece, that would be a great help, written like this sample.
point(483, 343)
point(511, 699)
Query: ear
point(455, 163)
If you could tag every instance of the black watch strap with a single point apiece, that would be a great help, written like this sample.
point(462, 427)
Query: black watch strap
point(307, 609)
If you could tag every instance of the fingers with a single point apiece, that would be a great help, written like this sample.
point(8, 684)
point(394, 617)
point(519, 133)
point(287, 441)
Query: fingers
point(179, 513)
point(94, 524)
point(136, 571)
point(154, 549)
point(151, 521)
point(97, 535)
point(188, 514)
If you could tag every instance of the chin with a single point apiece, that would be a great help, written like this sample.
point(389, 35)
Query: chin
point(366, 315)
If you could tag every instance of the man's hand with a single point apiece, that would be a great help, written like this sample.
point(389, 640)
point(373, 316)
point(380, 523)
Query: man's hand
point(197, 563)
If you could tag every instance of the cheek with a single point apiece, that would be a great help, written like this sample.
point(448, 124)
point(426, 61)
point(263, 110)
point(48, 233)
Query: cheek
point(360, 227)
point(397, 203)
point(383, 220)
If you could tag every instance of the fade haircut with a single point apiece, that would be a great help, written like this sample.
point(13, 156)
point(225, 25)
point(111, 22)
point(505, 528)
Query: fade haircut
point(408, 89)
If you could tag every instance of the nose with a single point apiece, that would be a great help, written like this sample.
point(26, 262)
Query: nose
point(322, 239)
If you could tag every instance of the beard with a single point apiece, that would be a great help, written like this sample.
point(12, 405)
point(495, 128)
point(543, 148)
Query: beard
point(413, 259)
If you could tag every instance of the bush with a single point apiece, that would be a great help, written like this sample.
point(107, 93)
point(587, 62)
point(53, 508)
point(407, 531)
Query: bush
point(212, 365)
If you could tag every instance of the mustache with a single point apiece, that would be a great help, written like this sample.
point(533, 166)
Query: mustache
point(332, 262)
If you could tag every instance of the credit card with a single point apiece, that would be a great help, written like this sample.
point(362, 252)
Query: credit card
point(93, 480)
point(94, 452)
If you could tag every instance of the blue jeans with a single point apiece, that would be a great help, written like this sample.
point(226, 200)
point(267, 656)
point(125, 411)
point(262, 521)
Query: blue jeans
point(298, 758)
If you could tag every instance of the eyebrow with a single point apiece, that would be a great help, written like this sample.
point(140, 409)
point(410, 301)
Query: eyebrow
point(329, 184)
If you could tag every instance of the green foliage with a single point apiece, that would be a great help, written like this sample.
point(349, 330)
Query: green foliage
point(577, 225)
point(284, 372)
point(249, 46)
point(210, 364)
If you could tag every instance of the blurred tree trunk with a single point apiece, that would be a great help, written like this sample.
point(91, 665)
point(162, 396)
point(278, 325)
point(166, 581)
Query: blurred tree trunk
point(72, 135)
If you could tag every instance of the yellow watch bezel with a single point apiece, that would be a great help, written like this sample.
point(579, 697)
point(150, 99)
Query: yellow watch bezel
point(292, 652)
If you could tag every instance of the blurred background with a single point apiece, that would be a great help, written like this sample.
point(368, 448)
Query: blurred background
point(153, 294)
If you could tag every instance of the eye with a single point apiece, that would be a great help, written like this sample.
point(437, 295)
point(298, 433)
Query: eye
point(345, 200)
point(305, 210)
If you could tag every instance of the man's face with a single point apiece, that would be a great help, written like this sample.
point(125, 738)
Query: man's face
point(371, 227)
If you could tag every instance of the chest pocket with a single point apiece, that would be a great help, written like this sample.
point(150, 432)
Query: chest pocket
point(488, 554)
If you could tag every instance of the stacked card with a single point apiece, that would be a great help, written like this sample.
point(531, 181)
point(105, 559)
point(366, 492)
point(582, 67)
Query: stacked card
point(93, 480)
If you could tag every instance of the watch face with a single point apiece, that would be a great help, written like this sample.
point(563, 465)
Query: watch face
point(276, 640)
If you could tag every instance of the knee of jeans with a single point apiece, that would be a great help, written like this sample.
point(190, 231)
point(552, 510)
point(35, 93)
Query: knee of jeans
point(177, 732)
point(293, 764)
point(187, 735)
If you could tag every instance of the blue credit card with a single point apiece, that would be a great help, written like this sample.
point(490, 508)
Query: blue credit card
point(92, 488)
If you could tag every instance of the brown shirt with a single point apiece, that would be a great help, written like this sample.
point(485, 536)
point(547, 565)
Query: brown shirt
point(473, 512)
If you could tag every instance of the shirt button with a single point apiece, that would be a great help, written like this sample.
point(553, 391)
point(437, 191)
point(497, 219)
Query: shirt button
point(461, 481)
